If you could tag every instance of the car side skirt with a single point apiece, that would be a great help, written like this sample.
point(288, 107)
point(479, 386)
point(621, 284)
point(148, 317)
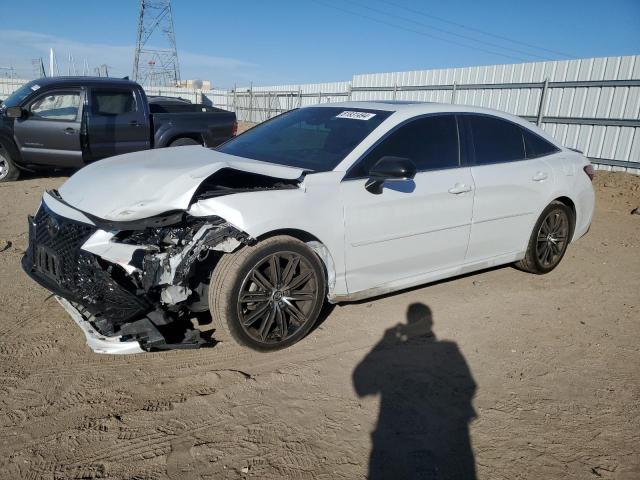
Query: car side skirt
point(428, 277)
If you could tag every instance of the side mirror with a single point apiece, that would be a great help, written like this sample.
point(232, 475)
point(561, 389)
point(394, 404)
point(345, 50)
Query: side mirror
point(14, 112)
point(389, 168)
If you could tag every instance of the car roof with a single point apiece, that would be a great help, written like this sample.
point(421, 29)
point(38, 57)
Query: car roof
point(407, 109)
point(414, 108)
point(62, 81)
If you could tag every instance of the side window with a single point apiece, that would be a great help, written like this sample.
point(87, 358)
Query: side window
point(430, 142)
point(536, 146)
point(56, 106)
point(495, 140)
point(112, 102)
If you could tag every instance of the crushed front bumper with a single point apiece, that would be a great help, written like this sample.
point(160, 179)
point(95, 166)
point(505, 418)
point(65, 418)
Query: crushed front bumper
point(97, 342)
point(115, 317)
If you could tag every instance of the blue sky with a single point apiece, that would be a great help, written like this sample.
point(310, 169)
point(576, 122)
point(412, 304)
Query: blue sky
point(287, 41)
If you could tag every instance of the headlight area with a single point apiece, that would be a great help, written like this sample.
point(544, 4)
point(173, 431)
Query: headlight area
point(168, 267)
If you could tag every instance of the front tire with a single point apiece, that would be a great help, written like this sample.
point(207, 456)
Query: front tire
point(549, 240)
point(8, 170)
point(267, 296)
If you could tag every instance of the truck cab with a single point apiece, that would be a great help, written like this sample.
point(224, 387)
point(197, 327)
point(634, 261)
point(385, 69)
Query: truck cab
point(67, 122)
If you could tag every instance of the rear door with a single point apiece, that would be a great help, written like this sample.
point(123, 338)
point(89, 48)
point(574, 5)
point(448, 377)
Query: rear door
point(49, 133)
point(511, 188)
point(416, 226)
point(117, 122)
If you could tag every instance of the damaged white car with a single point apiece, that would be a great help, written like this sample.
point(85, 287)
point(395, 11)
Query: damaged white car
point(331, 202)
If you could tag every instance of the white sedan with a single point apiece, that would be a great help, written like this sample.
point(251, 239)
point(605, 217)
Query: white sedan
point(333, 202)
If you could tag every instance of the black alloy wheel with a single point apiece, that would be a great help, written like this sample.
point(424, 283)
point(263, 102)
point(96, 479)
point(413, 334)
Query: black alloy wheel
point(552, 238)
point(267, 296)
point(549, 240)
point(277, 297)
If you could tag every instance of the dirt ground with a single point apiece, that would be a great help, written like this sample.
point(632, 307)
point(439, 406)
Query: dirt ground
point(524, 376)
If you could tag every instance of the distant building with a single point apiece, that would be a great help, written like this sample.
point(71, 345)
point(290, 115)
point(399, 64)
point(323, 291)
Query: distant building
point(195, 84)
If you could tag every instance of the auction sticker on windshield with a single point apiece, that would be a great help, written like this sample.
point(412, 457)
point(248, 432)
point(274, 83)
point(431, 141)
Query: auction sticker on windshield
point(356, 115)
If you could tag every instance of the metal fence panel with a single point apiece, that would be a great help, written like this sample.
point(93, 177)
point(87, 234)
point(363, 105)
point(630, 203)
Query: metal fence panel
point(592, 104)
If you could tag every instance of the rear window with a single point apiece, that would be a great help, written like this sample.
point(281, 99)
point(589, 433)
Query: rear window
point(495, 140)
point(315, 138)
point(536, 146)
point(112, 103)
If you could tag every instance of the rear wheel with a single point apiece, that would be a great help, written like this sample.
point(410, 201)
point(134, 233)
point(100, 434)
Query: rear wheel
point(8, 169)
point(181, 142)
point(549, 239)
point(267, 296)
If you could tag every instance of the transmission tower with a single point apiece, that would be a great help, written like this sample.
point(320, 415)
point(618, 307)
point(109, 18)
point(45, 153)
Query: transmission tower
point(156, 56)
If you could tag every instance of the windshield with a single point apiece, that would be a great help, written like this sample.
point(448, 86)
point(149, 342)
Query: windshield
point(20, 94)
point(315, 138)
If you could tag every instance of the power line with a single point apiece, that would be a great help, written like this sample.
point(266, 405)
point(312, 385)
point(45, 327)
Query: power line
point(477, 30)
point(445, 31)
point(419, 32)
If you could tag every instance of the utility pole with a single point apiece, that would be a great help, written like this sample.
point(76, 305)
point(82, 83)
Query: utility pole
point(53, 64)
point(156, 66)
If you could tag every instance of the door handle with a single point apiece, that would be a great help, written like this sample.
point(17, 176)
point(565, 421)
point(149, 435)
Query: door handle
point(459, 188)
point(69, 131)
point(134, 123)
point(540, 176)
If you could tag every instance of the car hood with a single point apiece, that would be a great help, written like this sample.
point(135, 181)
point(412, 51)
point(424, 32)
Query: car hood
point(139, 185)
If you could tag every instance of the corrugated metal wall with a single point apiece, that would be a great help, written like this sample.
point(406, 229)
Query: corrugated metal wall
point(592, 104)
point(256, 104)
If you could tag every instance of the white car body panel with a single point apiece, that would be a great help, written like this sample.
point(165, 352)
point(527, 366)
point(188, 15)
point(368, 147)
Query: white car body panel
point(440, 224)
point(508, 200)
point(316, 209)
point(411, 228)
point(143, 184)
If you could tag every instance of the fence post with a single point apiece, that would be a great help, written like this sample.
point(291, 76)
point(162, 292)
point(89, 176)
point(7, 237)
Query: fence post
point(268, 105)
point(320, 97)
point(395, 89)
point(543, 101)
point(299, 97)
point(453, 92)
point(349, 92)
point(234, 100)
point(251, 102)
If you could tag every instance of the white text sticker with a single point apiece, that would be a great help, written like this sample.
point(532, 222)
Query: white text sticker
point(356, 115)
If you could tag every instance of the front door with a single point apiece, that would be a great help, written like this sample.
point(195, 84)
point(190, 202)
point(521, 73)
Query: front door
point(49, 132)
point(416, 226)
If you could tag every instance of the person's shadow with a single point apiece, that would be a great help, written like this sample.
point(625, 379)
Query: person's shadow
point(426, 390)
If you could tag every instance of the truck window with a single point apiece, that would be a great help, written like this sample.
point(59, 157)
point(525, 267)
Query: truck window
point(56, 106)
point(112, 102)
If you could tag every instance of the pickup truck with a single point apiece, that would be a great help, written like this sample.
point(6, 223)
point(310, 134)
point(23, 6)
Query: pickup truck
point(68, 122)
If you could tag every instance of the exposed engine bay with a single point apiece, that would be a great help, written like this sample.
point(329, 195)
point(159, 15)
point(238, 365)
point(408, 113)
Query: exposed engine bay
point(141, 280)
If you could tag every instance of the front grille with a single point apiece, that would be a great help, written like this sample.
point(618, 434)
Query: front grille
point(55, 260)
point(62, 238)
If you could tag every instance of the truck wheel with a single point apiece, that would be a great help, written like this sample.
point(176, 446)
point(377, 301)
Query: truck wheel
point(267, 296)
point(181, 142)
point(8, 169)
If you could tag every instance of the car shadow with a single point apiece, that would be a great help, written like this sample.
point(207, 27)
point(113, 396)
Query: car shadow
point(426, 391)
